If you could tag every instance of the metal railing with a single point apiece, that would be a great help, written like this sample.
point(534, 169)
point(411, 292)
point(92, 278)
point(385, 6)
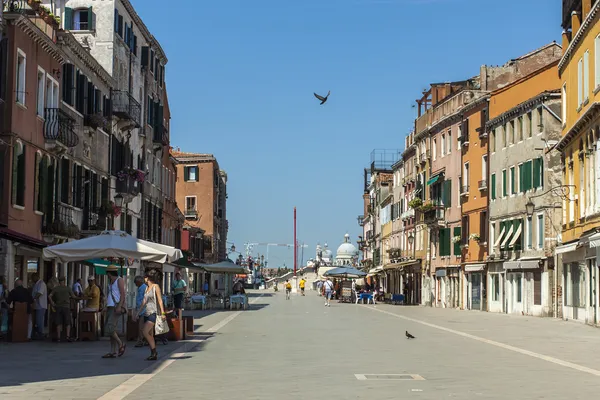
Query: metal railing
point(464, 190)
point(160, 136)
point(125, 106)
point(59, 126)
point(191, 213)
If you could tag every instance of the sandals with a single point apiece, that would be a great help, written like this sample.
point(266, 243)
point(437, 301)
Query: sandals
point(109, 355)
point(153, 356)
point(122, 349)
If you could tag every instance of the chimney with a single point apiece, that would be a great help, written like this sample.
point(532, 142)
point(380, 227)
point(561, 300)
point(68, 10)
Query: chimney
point(575, 22)
point(566, 39)
point(586, 7)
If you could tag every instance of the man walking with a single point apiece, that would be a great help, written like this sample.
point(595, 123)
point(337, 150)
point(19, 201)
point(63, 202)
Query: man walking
point(60, 298)
point(328, 286)
point(115, 308)
point(40, 304)
point(179, 287)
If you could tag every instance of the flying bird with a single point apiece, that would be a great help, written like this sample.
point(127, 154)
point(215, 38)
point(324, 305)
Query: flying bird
point(409, 336)
point(323, 99)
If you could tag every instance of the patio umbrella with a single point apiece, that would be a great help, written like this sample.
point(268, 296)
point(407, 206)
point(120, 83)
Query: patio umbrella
point(171, 252)
point(223, 267)
point(116, 244)
point(345, 272)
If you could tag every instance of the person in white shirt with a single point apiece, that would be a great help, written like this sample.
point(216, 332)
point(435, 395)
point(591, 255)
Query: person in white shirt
point(328, 286)
point(40, 304)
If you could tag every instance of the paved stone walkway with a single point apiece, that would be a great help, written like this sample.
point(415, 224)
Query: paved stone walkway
point(301, 349)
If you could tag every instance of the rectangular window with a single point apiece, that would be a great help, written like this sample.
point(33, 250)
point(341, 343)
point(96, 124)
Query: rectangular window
point(493, 186)
point(434, 149)
point(519, 287)
point(597, 61)
point(484, 160)
point(21, 73)
point(529, 228)
point(493, 140)
point(443, 151)
point(511, 132)
point(504, 184)
point(580, 82)
point(520, 127)
point(190, 203)
point(540, 231)
point(457, 250)
point(504, 136)
point(191, 173)
point(18, 174)
point(466, 179)
point(51, 93)
point(492, 238)
point(586, 76)
point(41, 86)
point(513, 181)
point(444, 242)
point(449, 143)
point(564, 104)
point(538, 172)
point(529, 124)
point(540, 115)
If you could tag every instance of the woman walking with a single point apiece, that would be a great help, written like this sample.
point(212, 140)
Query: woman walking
point(149, 309)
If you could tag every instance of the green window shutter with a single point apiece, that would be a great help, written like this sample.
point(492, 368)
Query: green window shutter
point(457, 250)
point(91, 22)
point(442, 245)
point(448, 193)
point(493, 186)
point(36, 181)
point(186, 174)
point(521, 182)
point(21, 178)
point(513, 184)
point(68, 18)
point(448, 241)
point(541, 165)
point(504, 184)
point(536, 176)
point(529, 175)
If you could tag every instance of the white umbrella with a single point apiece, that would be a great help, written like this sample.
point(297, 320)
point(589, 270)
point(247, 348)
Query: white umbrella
point(172, 253)
point(116, 244)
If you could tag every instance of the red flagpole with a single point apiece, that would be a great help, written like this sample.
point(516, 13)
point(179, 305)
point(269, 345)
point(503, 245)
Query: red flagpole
point(295, 245)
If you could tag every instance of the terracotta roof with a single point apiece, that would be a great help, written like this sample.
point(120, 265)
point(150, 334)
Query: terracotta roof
point(183, 154)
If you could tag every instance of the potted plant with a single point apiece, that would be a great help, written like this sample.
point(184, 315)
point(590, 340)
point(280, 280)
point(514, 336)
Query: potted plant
point(415, 203)
point(475, 237)
point(426, 207)
point(456, 239)
point(133, 173)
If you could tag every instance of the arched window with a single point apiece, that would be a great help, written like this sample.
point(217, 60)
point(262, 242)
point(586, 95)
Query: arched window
point(18, 174)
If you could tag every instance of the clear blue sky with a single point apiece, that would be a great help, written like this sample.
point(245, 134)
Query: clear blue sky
point(241, 77)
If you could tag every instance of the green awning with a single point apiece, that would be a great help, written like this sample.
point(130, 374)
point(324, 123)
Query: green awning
point(100, 265)
point(433, 180)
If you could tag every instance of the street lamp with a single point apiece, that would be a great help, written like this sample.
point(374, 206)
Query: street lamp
point(411, 239)
point(529, 207)
point(119, 200)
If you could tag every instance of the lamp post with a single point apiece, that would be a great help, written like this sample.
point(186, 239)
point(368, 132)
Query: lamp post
point(411, 241)
point(530, 207)
point(119, 200)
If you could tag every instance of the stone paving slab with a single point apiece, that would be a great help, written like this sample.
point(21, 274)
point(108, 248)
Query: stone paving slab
point(300, 349)
point(76, 370)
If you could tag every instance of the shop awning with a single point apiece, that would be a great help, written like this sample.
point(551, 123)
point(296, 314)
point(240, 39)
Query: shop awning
point(565, 248)
point(100, 265)
point(595, 240)
point(21, 238)
point(474, 267)
point(500, 237)
point(375, 271)
point(508, 235)
point(529, 264)
point(511, 265)
point(516, 235)
point(433, 179)
point(440, 273)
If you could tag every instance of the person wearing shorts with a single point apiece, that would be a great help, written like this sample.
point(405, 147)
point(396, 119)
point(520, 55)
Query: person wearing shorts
point(302, 284)
point(288, 289)
point(328, 287)
point(60, 299)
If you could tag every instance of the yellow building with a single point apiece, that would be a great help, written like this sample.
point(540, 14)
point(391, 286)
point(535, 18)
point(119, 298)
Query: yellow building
point(579, 73)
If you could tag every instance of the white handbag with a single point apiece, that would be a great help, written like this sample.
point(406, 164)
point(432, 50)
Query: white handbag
point(161, 327)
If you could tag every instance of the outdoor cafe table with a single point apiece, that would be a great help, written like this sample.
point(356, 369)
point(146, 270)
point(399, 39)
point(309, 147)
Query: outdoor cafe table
point(237, 299)
point(365, 296)
point(199, 299)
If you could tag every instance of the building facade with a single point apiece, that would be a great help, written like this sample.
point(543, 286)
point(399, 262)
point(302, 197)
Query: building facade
point(202, 193)
point(525, 215)
point(579, 74)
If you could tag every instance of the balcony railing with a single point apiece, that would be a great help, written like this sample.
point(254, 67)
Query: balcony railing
point(97, 219)
point(483, 185)
point(191, 213)
point(60, 127)
point(464, 190)
point(97, 120)
point(126, 107)
point(161, 136)
point(62, 223)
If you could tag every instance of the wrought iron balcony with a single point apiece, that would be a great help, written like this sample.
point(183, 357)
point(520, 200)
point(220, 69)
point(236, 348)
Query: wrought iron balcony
point(126, 107)
point(161, 136)
point(97, 120)
point(191, 213)
point(60, 222)
point(97, 218)
point(60, 127)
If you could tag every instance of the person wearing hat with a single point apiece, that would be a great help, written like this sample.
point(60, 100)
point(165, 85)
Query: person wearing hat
point(92, 295)
point(115, 307)
point(60, 298)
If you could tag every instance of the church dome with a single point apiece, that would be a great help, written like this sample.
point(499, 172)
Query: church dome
point(346, 249)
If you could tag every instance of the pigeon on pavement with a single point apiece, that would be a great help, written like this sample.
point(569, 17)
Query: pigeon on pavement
point(323, 99)
point(409, 336)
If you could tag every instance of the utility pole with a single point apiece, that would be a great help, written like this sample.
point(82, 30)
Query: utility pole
point(295, 245)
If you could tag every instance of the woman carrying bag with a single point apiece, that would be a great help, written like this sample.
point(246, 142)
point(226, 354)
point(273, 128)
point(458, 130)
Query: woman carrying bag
point(152, 321)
